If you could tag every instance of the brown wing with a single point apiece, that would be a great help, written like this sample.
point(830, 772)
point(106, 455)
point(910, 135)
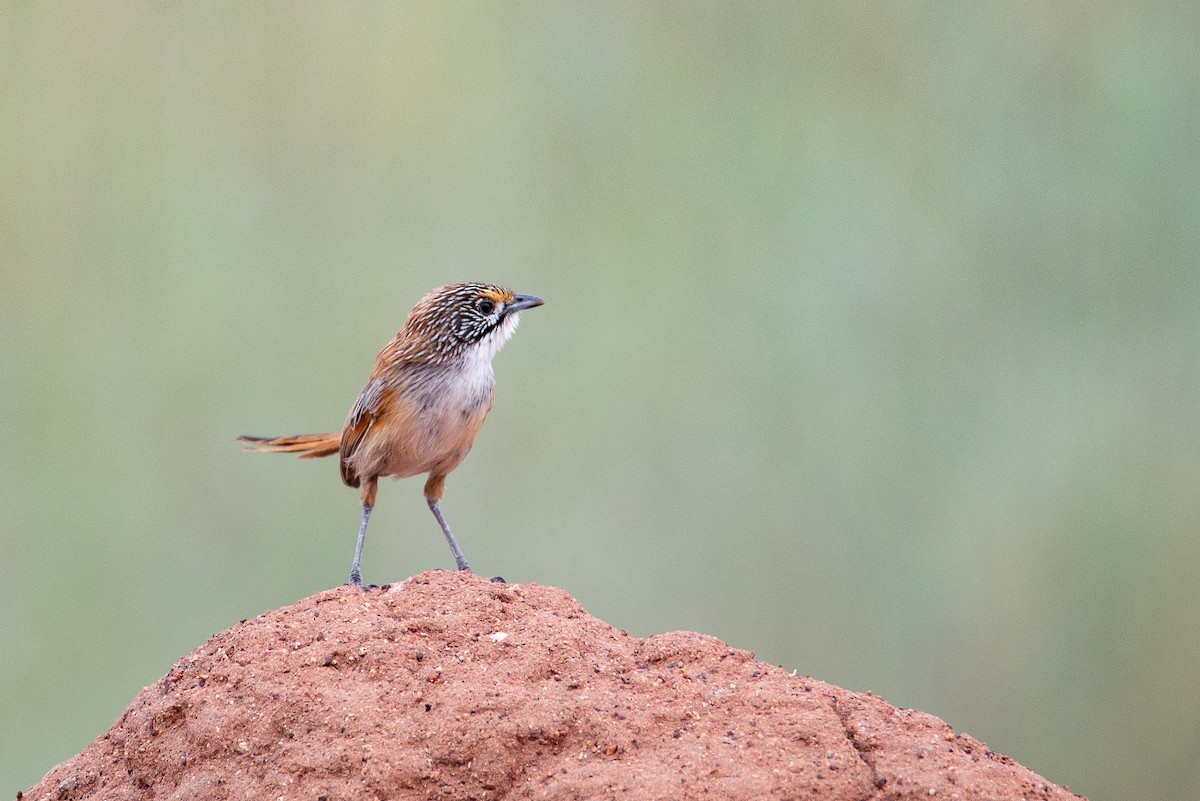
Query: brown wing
point(362, 417)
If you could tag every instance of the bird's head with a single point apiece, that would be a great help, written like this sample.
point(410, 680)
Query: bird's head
point(457, 320)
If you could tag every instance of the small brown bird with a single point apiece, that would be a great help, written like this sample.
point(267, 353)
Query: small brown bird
point(424, 402)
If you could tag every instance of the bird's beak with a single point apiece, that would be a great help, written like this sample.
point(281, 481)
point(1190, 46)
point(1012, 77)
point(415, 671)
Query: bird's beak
point(520, 302)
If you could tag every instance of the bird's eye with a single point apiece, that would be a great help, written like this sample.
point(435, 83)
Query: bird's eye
point(485, 306)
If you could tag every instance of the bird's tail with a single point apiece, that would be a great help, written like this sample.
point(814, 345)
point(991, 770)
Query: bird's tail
point(309, 446)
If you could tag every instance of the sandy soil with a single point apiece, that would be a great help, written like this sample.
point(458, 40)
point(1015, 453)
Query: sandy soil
point(449, 686)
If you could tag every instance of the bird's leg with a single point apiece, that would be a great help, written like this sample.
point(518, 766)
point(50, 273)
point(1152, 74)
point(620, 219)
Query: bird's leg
point(356, 565)
point(433, 493)
point(458, 554)
point(368, 503)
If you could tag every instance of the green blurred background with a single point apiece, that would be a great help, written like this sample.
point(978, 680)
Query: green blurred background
point(871, 344)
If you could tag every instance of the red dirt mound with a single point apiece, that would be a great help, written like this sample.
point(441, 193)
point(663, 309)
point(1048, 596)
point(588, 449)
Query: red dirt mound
point(450, 686)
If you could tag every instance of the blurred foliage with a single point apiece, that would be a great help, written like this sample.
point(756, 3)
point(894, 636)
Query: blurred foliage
point(871, 341)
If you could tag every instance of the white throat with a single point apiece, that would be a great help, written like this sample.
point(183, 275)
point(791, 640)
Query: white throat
point(494, 341)
point(479, 358)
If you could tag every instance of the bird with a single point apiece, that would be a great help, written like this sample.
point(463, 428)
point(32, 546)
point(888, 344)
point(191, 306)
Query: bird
point(425, 400)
